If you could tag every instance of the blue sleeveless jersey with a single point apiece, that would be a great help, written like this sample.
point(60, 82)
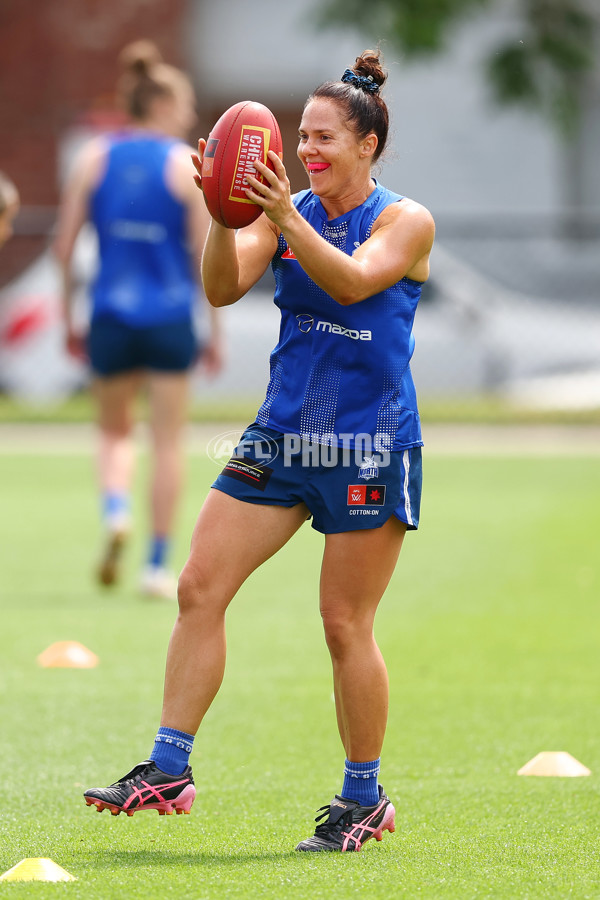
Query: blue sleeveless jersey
point(145, 275)
point(342, 370)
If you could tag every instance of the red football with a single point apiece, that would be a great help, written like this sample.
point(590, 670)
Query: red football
point(244, 133)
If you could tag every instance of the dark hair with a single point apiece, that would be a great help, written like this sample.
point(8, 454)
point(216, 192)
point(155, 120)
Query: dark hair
point(145, 77)
point(360, 97)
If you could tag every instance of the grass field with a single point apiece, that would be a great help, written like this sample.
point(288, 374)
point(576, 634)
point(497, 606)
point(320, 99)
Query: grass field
point(489, 409)
point(491, 633)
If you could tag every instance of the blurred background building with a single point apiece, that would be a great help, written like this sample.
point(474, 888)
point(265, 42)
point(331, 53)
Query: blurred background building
point(512, 310)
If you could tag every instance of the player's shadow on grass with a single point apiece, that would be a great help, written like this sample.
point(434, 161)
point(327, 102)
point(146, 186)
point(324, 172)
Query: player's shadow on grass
point(169, 858)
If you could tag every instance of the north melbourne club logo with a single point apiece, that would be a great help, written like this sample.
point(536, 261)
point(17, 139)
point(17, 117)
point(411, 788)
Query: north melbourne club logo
point(368, 469)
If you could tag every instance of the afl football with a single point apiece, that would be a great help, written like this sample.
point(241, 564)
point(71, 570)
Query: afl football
point(244, 134)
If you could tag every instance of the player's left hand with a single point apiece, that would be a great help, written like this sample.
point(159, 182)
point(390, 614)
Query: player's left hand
point(274, 196)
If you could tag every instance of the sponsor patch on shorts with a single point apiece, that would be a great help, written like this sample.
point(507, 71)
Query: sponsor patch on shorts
point(366, 494)
point(249, 471)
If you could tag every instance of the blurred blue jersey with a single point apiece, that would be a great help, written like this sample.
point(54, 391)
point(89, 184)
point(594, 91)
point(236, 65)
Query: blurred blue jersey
point(145, 275)
point(340, 371)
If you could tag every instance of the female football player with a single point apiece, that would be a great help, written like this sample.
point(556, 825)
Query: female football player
point(337, 439)
point(134, 186)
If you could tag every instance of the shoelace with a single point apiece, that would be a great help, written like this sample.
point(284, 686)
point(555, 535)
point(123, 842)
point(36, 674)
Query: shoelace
point(327, 826)
point(132, 776)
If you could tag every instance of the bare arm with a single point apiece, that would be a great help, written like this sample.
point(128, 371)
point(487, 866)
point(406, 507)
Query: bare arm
point(72, 215)
point(399, 245)
point(233, 261)
point(198, 223)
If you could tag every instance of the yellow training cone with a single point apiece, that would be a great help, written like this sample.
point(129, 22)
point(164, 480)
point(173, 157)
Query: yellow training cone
point(67, 655)
point(554, 763)
point(37, 870)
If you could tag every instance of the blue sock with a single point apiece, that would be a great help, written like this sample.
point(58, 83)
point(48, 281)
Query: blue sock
point(113, 504)
point(172, 750)
point(361, 782)
point(159, 547)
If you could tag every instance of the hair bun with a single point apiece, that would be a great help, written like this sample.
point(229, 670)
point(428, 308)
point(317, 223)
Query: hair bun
point(368, 65)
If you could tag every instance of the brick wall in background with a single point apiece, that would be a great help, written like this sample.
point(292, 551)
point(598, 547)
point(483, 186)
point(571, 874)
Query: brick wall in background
point(57, 64)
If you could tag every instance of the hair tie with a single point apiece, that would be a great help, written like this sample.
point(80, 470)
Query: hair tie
point(362, 82)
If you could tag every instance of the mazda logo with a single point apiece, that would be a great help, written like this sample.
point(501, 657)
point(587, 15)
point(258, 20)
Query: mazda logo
point(305, 322)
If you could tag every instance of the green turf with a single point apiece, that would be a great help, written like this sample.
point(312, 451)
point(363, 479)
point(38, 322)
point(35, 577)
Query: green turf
point(489, 409)
point(490, 630)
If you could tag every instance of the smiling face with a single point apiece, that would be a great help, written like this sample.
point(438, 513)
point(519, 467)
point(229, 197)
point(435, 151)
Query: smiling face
point(338, 163)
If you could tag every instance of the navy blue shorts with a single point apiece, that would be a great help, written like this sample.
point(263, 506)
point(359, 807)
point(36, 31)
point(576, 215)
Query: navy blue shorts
point(343, 489)
point(115, 347)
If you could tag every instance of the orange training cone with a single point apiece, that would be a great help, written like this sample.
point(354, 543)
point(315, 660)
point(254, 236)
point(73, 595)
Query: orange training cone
point(67, 655)
point(554, 763)
point(37, 870)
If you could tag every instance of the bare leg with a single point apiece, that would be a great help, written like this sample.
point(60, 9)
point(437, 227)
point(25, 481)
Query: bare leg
point(168, 406)
point(230, 540)
point(115, 398)
point(357, 567)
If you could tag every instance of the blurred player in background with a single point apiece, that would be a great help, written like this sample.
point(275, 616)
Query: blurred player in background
point(136, 188)
point(9, 207)
point(349, 258)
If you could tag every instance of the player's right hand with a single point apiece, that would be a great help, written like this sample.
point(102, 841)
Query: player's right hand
point(76, 346)
point(197, 161)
